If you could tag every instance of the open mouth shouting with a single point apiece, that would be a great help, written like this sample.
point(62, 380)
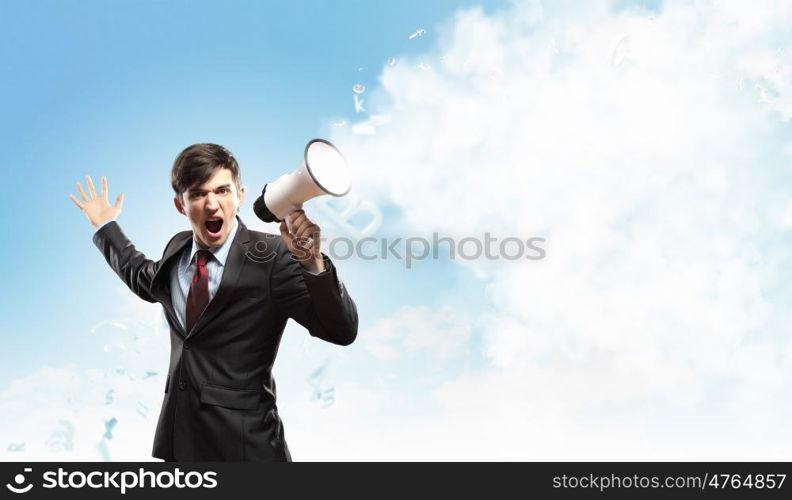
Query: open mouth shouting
point(214, 227)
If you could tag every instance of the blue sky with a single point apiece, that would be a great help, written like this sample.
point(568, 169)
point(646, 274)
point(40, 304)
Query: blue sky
point(648, 141)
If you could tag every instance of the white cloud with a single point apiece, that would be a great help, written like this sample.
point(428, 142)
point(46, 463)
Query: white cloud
point(60, 413)
point(658, 183)
point(442, 332)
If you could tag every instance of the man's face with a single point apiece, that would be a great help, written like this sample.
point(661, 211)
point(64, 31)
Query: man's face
point(212, 207)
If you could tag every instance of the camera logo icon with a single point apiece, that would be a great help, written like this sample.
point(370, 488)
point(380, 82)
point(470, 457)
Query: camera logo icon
point(19, 479)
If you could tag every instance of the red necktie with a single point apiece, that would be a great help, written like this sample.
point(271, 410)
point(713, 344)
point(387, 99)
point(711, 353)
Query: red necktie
point(198, 297)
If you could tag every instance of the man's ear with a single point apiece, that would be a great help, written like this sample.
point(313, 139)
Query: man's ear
point(241, 195)
point(179, 206)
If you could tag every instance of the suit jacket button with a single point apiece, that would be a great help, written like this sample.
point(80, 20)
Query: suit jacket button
point(186, 345)
point(182, 385)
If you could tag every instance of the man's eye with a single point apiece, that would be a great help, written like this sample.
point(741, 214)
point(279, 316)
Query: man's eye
point(225, 190)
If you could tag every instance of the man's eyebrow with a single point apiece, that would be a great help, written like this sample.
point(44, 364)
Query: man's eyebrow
point(199, 190)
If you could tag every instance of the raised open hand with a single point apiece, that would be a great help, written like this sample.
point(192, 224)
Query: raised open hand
point(97, 208)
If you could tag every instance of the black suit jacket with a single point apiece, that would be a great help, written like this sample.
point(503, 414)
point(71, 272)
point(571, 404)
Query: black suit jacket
point(219, 402)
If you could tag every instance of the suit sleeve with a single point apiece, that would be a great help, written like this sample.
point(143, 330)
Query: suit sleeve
point(319, 302)
point(134, 269)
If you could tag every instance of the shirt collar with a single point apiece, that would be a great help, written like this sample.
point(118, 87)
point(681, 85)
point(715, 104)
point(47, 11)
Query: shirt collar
point(220, 253)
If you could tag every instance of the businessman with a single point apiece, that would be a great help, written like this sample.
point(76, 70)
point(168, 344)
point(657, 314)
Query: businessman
point(227, 293)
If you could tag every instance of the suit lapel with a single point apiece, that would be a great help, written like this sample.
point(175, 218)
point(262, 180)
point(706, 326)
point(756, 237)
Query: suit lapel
point(161, 282)
point(233, 268)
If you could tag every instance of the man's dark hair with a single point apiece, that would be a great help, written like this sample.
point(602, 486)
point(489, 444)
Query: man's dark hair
point(195, 164)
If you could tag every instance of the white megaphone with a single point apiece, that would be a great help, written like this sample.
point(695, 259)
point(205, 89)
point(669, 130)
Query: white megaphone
point(322, 171)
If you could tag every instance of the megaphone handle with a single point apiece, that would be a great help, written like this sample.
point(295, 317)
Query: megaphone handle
point(289, 228)
point(288, 224)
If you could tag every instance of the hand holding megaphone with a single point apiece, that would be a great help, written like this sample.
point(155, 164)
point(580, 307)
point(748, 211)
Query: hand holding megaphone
point(302, 237)
point(322, 171)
